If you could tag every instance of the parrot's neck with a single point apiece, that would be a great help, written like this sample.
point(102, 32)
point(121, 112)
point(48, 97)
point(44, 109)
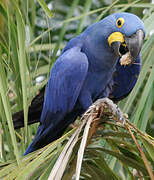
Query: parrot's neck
point(96, 47)
point(100, 55)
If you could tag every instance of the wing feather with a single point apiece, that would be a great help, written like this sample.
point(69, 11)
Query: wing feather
point(65, 82)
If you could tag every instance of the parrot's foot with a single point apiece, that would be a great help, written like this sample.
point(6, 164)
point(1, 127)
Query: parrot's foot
point(108, 107)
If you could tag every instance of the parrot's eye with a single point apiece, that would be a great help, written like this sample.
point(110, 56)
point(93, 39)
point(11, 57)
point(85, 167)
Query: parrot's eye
point(120, 22)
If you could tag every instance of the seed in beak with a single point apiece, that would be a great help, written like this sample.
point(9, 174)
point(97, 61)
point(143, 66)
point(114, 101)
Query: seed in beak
point(125, 59)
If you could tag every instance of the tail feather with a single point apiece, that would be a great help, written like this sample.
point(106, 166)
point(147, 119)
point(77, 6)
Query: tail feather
point(34, 112)
point(51, 132)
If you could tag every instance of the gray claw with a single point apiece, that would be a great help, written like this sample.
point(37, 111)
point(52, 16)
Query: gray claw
point(111, 108)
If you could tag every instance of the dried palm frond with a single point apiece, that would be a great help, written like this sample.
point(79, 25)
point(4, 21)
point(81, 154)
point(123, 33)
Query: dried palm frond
point(85, 151)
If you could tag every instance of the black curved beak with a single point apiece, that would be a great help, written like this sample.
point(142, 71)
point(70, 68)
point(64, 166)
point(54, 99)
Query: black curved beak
point(131, 44)
point(134, 44)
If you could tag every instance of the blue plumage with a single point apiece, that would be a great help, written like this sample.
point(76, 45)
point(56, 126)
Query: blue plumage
point(125, 79)
point(84, 73)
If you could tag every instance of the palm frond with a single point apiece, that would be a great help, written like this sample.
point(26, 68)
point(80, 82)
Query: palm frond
point(100, 135)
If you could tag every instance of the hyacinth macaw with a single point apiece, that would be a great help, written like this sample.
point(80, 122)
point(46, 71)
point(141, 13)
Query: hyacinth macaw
point(84, 72)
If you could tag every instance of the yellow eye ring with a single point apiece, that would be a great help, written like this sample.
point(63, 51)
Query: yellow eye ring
point(120, 22)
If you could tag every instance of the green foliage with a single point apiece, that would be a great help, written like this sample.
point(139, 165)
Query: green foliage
point(64, 157)
point(30, 42)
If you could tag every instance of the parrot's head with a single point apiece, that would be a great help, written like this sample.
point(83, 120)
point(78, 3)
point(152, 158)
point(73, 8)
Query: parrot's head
point(125, 34)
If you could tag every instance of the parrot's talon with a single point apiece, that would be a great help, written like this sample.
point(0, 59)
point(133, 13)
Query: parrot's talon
point(111, 108)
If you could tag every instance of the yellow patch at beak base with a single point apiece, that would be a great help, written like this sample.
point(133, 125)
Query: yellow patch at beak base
point(114, 37)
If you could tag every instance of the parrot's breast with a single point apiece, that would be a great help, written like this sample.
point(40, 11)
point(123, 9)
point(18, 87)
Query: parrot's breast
point(99, 84)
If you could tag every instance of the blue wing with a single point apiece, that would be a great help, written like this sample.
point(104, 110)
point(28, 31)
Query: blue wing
point(65, 82)
point(125, 79)
point(64, 86)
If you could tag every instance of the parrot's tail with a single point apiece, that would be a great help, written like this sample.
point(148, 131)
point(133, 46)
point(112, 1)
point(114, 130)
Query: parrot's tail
point(34, 112)
point(48, 133)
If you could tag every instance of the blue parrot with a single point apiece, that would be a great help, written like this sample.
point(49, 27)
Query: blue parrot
point(85, 70)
